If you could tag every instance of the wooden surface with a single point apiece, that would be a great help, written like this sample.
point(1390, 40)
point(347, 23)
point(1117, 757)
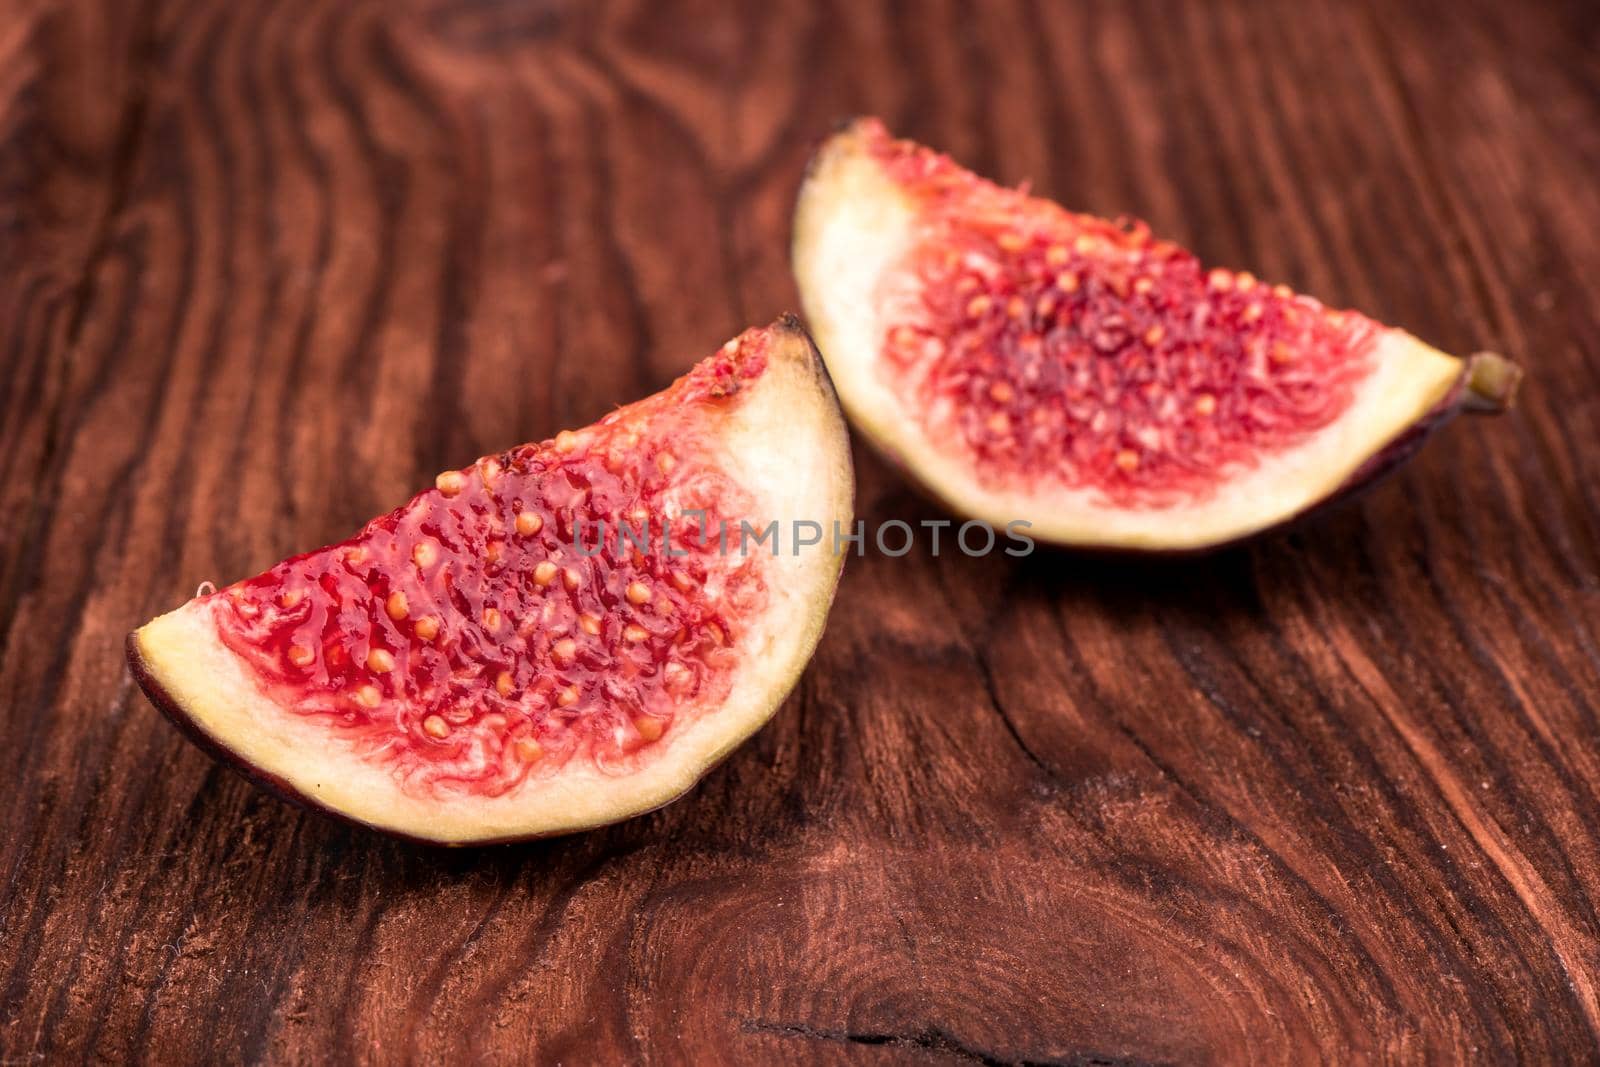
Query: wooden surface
point(267, 266)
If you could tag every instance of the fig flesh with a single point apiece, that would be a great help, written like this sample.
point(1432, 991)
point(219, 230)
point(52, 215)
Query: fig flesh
point(560, 636)
point(1024, 362)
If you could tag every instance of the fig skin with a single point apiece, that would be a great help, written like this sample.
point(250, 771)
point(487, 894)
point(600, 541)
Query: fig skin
point(1378, 468)
point(796, 394)
point(281, 788)
point(858, 219)
point(266, 781)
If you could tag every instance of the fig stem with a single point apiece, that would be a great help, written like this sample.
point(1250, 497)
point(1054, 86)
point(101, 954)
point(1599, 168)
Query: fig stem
point(1492, 382)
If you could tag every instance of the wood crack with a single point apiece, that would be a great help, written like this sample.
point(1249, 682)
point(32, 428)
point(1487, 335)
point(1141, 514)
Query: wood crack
point(939, 1041)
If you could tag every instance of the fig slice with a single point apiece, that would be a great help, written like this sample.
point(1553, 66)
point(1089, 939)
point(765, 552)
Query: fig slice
point(1024, 362)
point(490, 663)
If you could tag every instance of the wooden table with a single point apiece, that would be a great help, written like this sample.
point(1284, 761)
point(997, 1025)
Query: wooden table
point(267, 266)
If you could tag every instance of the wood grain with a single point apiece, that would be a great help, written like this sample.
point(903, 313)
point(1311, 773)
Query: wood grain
point(265, 267)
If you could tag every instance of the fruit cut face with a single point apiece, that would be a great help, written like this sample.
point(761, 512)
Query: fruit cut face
point(1027, 362)
point(1064, 349)
point(555, 637)
point(469, 639)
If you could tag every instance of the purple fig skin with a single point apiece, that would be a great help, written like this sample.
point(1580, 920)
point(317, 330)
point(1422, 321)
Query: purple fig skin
point(1488, 385)
point(164, 703)
point(271, 783)
point(157, 694)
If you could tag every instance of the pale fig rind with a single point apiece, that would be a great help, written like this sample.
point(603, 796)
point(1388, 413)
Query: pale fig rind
point(787, 441)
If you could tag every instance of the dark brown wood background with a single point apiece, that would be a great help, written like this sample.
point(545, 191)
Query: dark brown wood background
point(266, 265)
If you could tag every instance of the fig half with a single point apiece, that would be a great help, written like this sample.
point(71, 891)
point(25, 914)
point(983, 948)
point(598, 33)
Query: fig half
point(1028, 363)
point(559, 636)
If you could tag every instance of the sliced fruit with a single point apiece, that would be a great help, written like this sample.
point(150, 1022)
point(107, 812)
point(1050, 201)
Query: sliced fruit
point(487, 663)
point(1028, 363)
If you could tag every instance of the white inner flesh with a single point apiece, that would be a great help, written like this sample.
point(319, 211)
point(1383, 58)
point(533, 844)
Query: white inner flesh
point(854, 225)
point(784, 442)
